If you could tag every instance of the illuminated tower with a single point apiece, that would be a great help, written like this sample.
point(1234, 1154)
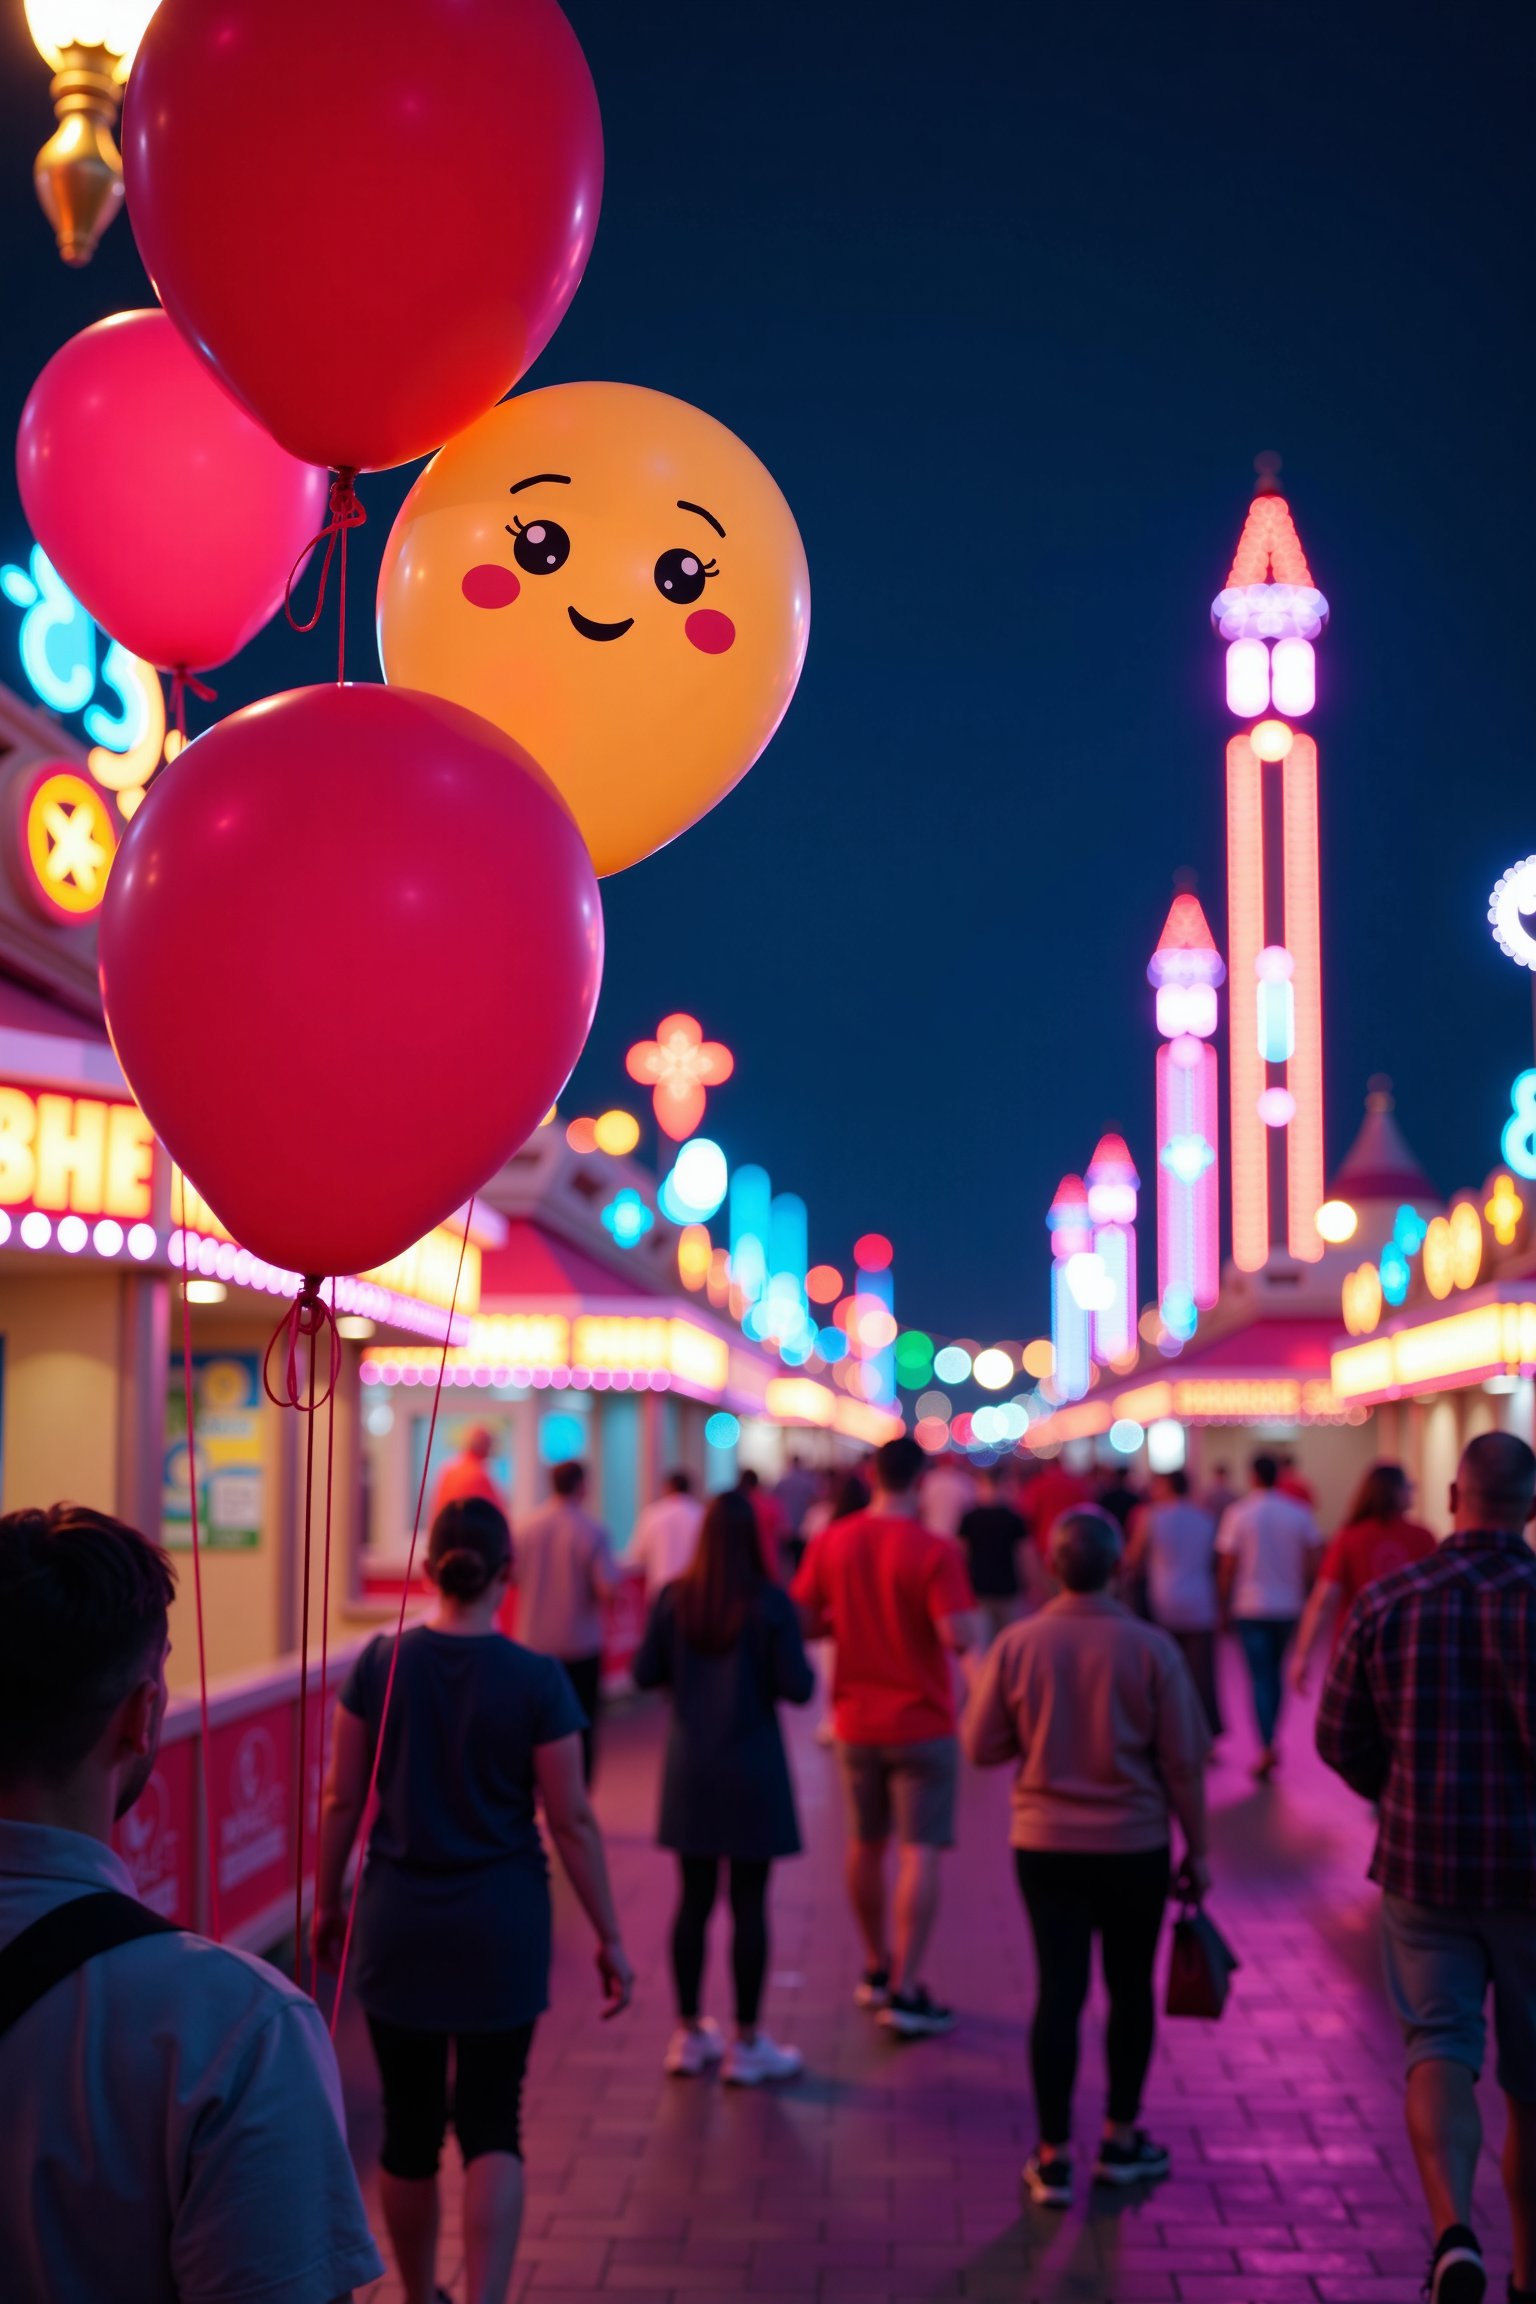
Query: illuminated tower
point(1269, 614)
point(1072, 1264)
point(1113, 1184)
point(1186, 969)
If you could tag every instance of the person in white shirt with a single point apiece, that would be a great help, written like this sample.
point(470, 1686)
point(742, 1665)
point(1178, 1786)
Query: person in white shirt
point(1268, 1548)
point(947, 1494)
point(666, 1535)
point(172, 2109)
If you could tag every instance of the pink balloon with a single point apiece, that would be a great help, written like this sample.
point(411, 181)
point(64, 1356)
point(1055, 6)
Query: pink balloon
point(350, 950)
point(168, 511)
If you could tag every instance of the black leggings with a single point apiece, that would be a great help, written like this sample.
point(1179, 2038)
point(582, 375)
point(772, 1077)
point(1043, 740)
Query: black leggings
point(1070, 1899)
point(749, 1937)
point(488, 2070)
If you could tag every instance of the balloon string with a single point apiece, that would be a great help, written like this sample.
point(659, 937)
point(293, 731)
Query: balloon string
point(183, 681)
point(303, 1799)
point(197, 1585)
point(394, 1653)
point(346, 512)
point(325, 1615)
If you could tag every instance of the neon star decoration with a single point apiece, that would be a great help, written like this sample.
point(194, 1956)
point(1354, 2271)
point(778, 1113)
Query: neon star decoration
point(70, 844)
point(1512, 912)
point(678, 1066)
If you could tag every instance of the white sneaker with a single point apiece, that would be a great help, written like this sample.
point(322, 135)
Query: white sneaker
point(693, 2048)
point(749, 2062)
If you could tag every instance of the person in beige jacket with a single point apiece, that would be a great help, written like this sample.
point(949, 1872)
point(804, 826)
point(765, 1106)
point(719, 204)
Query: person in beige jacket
point(1099, 1713)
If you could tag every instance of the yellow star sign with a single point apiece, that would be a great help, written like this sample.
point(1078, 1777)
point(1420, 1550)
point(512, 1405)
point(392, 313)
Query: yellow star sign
point(70, 845)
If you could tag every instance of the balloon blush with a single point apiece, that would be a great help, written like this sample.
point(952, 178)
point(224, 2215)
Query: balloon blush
point(711, 631)
point(489, 586)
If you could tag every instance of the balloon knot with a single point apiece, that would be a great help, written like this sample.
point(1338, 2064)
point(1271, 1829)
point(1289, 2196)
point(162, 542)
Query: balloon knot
point(345, 510)
point(309, 1317)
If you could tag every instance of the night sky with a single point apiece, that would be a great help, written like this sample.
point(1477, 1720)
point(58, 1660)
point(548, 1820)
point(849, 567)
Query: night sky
point(1007, 298)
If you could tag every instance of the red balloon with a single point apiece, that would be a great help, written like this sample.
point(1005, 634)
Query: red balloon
point(170, 515)
point(350, 950)
point(368, 215)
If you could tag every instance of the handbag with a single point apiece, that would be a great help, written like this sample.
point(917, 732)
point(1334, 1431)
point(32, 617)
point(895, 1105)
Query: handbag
point(1201, 1969)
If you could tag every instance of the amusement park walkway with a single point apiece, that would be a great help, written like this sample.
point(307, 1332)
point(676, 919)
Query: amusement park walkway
point(891, 2172)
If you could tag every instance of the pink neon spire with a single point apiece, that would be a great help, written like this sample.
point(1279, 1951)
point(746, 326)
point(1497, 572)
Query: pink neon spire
point(1186, 950)
point(1111, 1163)
point(1269, 549)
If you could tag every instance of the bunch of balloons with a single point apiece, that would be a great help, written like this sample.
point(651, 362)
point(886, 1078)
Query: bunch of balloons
point(352, 942)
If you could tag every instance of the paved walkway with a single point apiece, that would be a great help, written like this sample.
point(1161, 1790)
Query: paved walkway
point(891, 2172)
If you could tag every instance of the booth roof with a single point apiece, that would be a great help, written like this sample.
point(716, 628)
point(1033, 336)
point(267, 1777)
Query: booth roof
point(535, 1263)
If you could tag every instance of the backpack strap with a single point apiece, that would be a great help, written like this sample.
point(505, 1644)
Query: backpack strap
point(65, 1939)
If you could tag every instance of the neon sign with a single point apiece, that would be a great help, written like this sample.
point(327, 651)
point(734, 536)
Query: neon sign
point(58, 647)
point(79, 1153)
point(1519, 1138)
point(68, 843)
point(1186, 969)
point(678, 1066)
point(1071, 1230)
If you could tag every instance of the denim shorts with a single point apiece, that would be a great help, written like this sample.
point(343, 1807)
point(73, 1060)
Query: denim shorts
point(1440, 1966)
point(909, 1785)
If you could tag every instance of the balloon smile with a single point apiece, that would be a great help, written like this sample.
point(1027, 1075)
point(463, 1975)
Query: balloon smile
point(591, 631)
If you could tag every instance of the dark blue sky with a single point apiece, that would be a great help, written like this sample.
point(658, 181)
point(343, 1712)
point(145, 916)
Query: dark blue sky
point(1007, 298)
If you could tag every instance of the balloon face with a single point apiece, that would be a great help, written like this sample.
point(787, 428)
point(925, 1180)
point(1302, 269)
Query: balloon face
point(610, 576)
point(349, 952)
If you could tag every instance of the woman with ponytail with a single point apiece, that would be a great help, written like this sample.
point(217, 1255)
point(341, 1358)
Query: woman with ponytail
point(453, 1923)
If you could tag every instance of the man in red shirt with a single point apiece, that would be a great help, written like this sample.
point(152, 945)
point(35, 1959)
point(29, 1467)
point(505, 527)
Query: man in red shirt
point(466, 1474)
point(897, 1602)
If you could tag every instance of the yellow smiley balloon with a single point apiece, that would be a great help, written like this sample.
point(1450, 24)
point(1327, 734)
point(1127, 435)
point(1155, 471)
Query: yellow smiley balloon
point(615, 581)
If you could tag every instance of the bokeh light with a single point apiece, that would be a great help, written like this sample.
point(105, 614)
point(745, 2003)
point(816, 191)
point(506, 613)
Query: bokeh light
point(722, 1429)
point(993, 1368)
point(823, 1284)
point(616, 1133)
point(1038, 1359)
point(872, 1252)
point(581, 1135)
point(951, 1364)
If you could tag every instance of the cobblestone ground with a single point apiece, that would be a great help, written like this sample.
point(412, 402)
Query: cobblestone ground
point(891, 2172)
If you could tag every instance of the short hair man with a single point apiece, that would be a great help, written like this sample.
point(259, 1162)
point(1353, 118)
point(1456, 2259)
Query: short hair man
point(172, 2108)
point(1429, 1709)
point(565, 1571)
point(666, 1534)
point(1267, 1548)
point(896, 1600)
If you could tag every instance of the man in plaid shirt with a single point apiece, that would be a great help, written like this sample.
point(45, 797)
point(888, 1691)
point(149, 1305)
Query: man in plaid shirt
point(1430, 1710)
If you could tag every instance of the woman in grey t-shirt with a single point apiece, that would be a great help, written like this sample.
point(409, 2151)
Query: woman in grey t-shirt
point(453, 1927)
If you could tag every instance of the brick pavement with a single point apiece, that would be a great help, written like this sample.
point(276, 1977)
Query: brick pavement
point(891, 2172)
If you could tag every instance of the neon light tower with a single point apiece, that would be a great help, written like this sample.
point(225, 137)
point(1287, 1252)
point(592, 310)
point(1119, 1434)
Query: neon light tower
point(1112, 1188)
point(1269, 614)
point(1186, 969)
point(1071, 1230)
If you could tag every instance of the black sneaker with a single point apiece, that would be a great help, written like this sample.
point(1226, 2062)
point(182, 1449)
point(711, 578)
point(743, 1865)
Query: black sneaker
point(916, 2015)
point(873, 1988)
point(1457, 2273)
point(1139, 2162)
point(1048, 2182)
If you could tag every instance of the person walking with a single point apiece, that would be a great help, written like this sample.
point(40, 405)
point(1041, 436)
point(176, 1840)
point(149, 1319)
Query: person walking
point(453, 1915)
point(895, 1599)
point(1377, 1538)
point(1172, 1548)
point(1004, 1568)
point(797, 1490)
point(846, 1493)
point(1267, 1547)
point(724, 1641)
point(947, 1494)
point(468, 1473)
point(1098, 1712)
point(666, 1534)
point(172, 2108)
point(564, 1571)
point(1429, 1709)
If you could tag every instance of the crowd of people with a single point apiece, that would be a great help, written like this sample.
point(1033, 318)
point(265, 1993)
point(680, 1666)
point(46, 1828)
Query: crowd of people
point(174, 2107)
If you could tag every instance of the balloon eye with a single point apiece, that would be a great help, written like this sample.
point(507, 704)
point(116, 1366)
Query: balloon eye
point(681, 576)
point(539, 546)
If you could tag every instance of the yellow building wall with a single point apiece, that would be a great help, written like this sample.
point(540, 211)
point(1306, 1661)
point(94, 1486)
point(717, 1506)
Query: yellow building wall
point(240, 1588)
point(61, 1332)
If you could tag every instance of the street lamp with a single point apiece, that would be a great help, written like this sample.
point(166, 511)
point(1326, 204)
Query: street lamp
point(90, 45)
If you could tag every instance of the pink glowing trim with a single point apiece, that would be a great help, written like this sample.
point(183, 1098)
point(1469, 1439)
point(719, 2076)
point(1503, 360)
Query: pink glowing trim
point(1305, 1179)
point(1269, 548)
point(1293, 673)
point(1247, 678)
point(1245, 905)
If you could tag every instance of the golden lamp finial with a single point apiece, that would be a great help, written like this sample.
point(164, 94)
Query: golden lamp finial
point(90, 46)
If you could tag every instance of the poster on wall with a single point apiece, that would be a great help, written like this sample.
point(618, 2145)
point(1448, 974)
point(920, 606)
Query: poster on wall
point(227, 1443)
